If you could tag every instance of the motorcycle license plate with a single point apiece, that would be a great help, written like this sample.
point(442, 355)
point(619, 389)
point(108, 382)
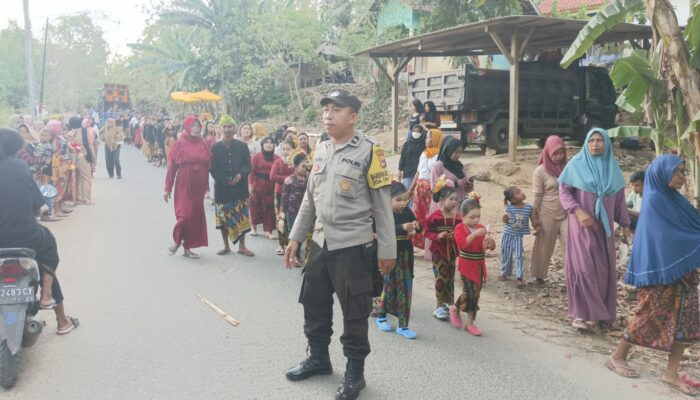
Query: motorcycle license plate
point(16, 295)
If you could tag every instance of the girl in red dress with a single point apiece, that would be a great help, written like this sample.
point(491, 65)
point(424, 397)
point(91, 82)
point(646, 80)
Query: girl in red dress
point(262, 199)
point(472, 240)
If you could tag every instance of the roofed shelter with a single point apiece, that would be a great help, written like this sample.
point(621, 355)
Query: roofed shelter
point(510, 36)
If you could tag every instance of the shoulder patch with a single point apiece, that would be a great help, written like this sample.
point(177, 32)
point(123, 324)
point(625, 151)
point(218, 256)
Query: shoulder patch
point(377, 175)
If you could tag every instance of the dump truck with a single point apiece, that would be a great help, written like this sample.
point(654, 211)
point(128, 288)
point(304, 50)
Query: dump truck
point(473, 103)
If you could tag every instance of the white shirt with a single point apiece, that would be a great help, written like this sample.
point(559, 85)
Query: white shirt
point(425, 166)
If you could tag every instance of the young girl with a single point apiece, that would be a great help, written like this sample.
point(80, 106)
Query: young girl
point(262, 196)
point(439, 229)
point(517, 214)
point(281, 170)
point(398, 286)
point(472, 240)
point(293, 191)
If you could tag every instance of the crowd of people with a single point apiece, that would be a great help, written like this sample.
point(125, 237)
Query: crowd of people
point(308, 196)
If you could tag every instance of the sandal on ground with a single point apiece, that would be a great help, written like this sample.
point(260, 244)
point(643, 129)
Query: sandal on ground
point(190, 254)
point(455, 318)
point(74, 324)
point(246, 253)
point(48, 218)
point(681, 387)
point(689, 381)
point(49, 306)
point(406, 332)
point(252, 233)
point(279, 251)
point(473, 329)
point(173, 249)
point(623, 371)
point(223, 252)
point(578, 323)
point(382, 324)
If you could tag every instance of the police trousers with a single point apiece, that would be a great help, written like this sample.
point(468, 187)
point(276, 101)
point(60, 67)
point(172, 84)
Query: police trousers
point(347, 272)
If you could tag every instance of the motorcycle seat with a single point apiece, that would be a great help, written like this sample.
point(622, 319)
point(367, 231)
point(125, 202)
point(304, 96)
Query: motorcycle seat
point(17, 253)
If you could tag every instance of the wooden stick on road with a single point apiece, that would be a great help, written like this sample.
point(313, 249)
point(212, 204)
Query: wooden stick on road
point(219, 311)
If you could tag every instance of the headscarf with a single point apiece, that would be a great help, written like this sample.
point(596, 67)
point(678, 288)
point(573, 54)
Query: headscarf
point(259, 130)
point(30, 132)
point(436, 134)
point(269, 155)
point(55, 128)
point(190, 147)
point(667, 239)
point(204, 117)
point(552, 144)
point(449, 146)
point(600, 175)
point(110, 133)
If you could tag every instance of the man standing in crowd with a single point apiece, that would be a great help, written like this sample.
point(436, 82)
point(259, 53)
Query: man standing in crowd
point(348, 188)
point(230, 166)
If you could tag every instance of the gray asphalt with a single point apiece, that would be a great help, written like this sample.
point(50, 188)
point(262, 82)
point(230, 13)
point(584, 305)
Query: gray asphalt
point(145, 335)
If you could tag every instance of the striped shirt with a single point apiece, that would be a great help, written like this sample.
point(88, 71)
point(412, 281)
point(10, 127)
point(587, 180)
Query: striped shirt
point(519, 219)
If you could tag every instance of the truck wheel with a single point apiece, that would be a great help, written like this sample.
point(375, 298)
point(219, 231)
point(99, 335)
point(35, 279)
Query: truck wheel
point(8, 367)
point(498, 136)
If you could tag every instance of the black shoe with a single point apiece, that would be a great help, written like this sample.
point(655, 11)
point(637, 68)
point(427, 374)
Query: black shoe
point(353, 380)
point(318, 363)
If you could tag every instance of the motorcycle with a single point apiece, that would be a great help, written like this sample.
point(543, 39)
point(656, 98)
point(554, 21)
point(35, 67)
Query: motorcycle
point(19, 287)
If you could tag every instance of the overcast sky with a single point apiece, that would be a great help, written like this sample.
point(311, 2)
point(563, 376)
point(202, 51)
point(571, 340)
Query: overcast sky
point(124, 22)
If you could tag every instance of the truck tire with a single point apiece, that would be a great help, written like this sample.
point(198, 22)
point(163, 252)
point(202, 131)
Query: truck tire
point(498, 136)
point(8, 367)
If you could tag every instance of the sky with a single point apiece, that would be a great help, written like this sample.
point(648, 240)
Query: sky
point(123, 20)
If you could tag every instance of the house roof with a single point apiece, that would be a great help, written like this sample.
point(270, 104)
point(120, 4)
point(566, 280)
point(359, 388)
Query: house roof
point(475, 38)
point(545, 8)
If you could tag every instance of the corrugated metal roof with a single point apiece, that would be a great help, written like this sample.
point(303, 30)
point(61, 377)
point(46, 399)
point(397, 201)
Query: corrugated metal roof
point(545, 7)
point(475, 38)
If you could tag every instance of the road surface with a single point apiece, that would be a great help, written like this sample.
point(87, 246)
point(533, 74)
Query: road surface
point(145, 335)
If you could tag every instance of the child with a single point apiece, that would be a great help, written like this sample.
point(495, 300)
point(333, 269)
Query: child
point(282, 168)
point(634, 199)
point(293, 190)
point(472, 240)
point(439, 229)
point(516, 226)
point(398, 286)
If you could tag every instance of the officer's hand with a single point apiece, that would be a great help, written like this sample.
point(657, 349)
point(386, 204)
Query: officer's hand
point(290, 255)
point(386, 265)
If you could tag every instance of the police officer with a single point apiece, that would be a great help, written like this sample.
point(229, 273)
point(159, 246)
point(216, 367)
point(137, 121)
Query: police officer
point(348, 188)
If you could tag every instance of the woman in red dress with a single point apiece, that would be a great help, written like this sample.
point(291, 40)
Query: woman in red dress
point(188, 172)
point(262, 199)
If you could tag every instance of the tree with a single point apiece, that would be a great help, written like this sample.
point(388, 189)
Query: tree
point(13, 76)
point(448, 13)
point(664, 83)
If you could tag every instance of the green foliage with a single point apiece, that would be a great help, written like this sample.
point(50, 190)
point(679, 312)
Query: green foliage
point(448, 13)
point(273, 109)
point(634, 76)
point(612, 14)
point(13, 74)
point(692, 36)
point(311, 114)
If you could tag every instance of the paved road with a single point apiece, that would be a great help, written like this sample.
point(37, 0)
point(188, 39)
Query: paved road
point(145, 335)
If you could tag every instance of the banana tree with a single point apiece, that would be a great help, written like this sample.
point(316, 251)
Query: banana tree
point(663, 83)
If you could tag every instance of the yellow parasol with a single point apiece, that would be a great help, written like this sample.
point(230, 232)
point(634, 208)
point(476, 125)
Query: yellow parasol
point(205, 95)
point(183, 97)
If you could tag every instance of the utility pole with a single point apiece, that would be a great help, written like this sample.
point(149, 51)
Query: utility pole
point(43, 69)
point(30, 58)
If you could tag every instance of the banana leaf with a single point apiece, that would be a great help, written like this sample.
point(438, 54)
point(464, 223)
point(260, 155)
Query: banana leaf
point(612, 14)
point(635, 76)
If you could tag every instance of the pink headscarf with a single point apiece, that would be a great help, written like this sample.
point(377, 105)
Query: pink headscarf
point(553, 144)
point(55, 128)
point(190, 149)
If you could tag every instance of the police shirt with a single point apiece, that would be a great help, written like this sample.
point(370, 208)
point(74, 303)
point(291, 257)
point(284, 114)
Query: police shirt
point(348, 184)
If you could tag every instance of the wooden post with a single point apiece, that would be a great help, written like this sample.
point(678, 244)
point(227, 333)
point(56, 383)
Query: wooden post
point(514, 97)
point(395, 104)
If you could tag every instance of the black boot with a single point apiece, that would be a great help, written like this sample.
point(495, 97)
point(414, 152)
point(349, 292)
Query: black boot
point(353, 381)
point(318, 363)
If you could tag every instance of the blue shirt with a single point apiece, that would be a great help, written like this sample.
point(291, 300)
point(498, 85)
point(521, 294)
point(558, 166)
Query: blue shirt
point(519, 219)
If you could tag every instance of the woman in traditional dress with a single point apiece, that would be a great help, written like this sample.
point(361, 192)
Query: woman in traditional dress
point(245, 134)
point(188, 172)
point(664, 263)
point(547, 207)
point(113, 139)
point(262, 199)
point(422, 187)
point(61, 162)
point(304, 144)
point(592, 193)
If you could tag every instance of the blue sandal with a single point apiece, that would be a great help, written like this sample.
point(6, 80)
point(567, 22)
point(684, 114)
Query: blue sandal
point(382, 324)
point(406, 332)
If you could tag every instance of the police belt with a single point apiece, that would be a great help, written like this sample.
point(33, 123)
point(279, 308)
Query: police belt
point(402, 237)
point(471, 256)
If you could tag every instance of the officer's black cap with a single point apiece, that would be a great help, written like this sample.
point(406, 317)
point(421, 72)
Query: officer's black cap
point(342, 98)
